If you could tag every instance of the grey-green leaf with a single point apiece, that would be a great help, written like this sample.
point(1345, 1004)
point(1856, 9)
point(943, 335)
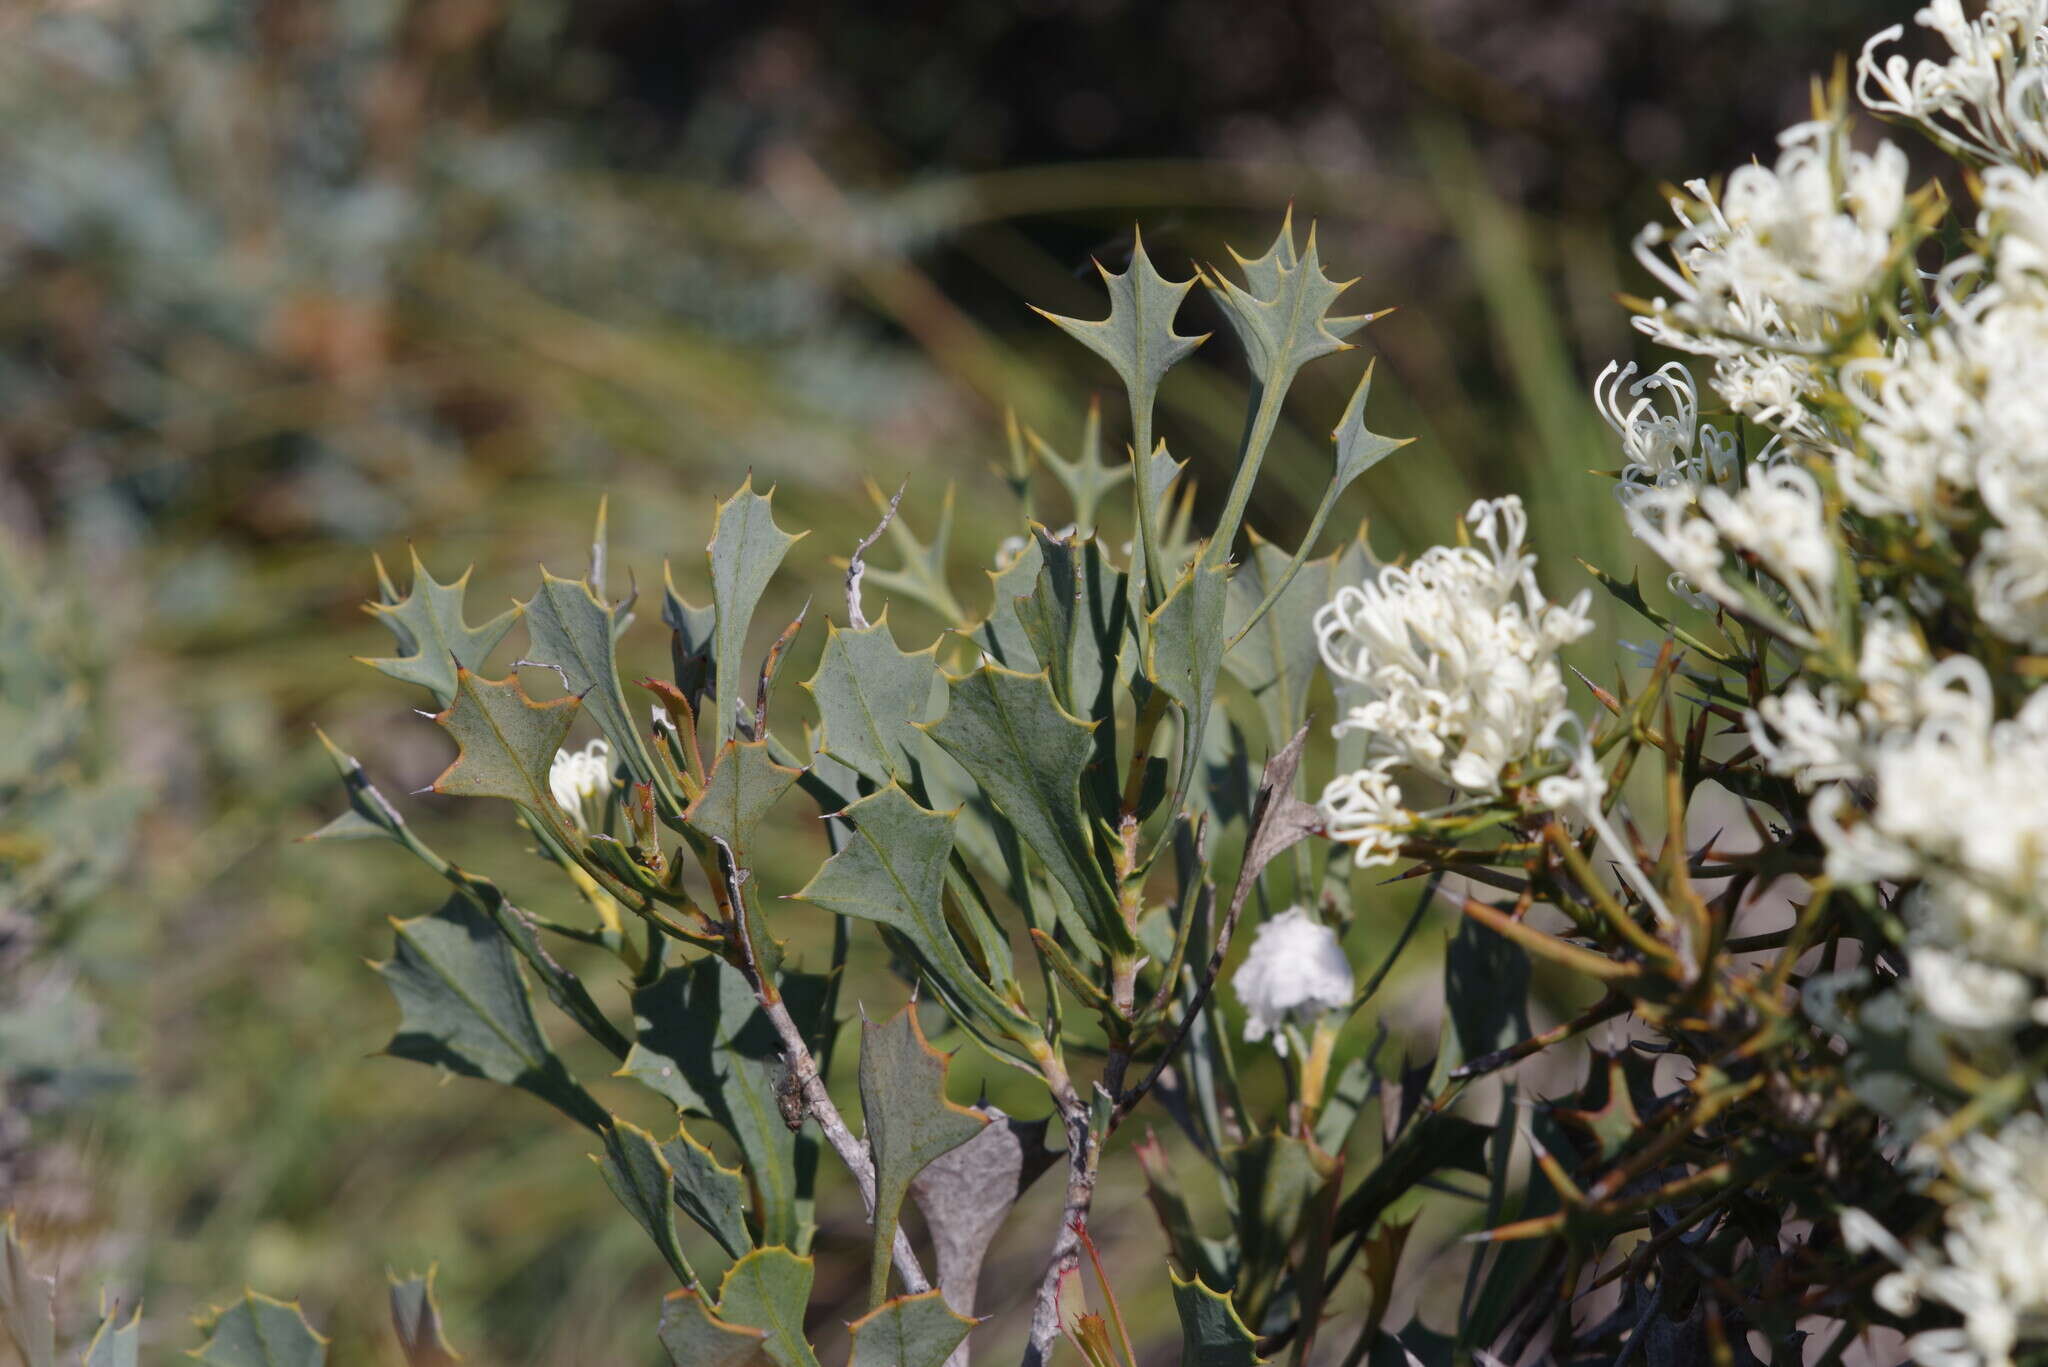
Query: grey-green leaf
point(695, 1337)
point(892, 870)
point(28, 1303)
point(416, 1317)
point(710, 1193)
point(910, 1331)
point(465, 1008)
point(1212, 1335)
point(573, 631)
point(1028, 754)
point(1284, 329)
point(258, 1331)
point(745, 550)
point(433, 639)
point(704, 1043)
point(118, 1340)
point(639, 1174)
point(1085, 478)
point(870, 695)
point(743, 785)
point(1184, 654)
point(768, 1290)
point(506, 741)
point(1137, 338)
point(909, 1122)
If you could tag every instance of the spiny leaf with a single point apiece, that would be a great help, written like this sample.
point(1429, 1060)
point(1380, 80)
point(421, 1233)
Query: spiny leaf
point(638, 1173)
point(28, 1302)
point(910, 1331)
point(1274, 1176)
point(768, 1290)
point(705, 1045)
point(968, 1192)
point(1085, 478)
point(746, 548)
point(417, 1318)
point(465, 1008)
point(118, 1340)
point(1137, 338)
point(1286, 324)
point(909, 1122)
point(710, 1193)
point(892, 870)
point(1028, 755)
point(1184, 653)
point(1077, 618)
point(257, 1331)
point(1358, 448)
point(573, 631)
point(870, 693)
point(368, 815)
point(506, 741)
point(433, 639)
point(743, 785)
point(1001, 635)
point(694, 1337)
point(1212, 1335)
point(692, 632)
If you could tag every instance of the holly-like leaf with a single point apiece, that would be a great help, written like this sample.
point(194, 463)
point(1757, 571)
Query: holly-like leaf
point(1137, 338)
point(1359, 448)
point(369, 815)
point(1076, 618)
point(870, 694)
point(1283, 319)
point(710, 1193)
point(639, 1174)
point(743, 785)
point(768, 1290)
point(433, 639)
point(967, 1193)
point(695, 1337)
point(1028, 755)
point(910, 1331)
point(704, 1043)
point(506, 741)
point(465, 1008)
point(1184, 654)
point(416, 1316)
point(118, 1340)
point(28, 1303)
point(692, 630)
point(572, 630)
point(892, 870)
point(745, 550)
point(257, 1331)
point(909, 1122)
point(1212, 1335)
point(1085, 478)
point(1001, 635)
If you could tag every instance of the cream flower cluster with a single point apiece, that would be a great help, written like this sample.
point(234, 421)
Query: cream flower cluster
point(1984, 100)
point(1447, 667)
point(1988, 1264)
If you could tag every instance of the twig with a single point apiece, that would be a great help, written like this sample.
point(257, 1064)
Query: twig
point(856, 568)
point(803, 1070)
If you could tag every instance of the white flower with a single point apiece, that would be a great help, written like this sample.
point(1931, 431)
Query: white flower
point(1364, 809)
point(1452, 662)
point(1989, 1265)
point(1979, 101)
point(1660, 448)
point(1296, 972)
point(1807, 737)
point(1778, 517)
point(1965, 994)
point(580, 774)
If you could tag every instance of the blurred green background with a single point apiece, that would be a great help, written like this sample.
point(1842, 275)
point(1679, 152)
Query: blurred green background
point(289, 282)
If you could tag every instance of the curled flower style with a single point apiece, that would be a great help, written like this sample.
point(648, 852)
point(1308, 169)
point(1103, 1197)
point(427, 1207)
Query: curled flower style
point(1987, 1265)
point(577, 776)
point(1295, 974)
point(1450, 664)
point(1659, 448)
point(1983, 101)
point(1363, 809)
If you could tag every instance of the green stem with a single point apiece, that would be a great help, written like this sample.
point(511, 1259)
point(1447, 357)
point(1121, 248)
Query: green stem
point(1258, 436)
